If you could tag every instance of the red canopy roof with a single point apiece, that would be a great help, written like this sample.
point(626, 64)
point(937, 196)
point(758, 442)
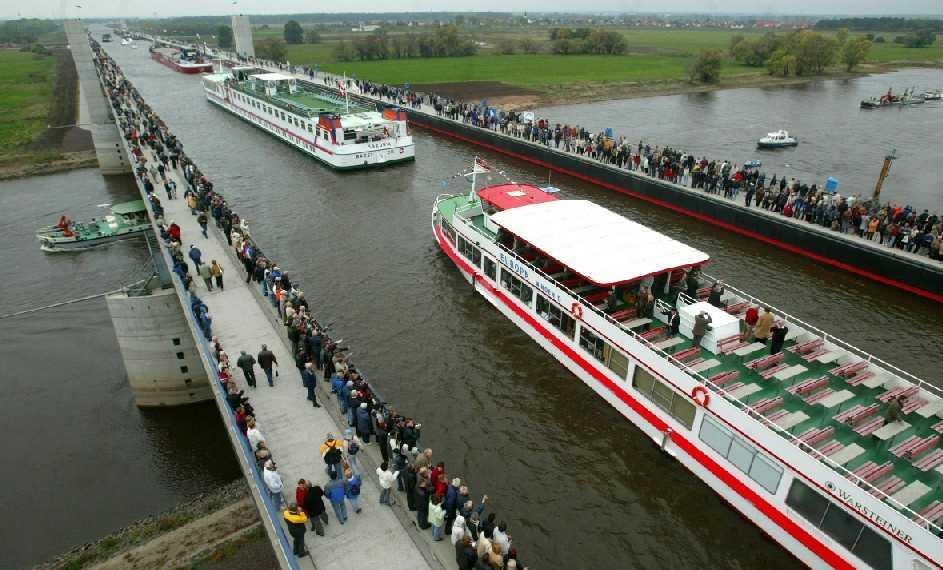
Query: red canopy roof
point(507, 196)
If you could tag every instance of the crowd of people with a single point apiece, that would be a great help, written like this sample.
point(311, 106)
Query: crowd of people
point(891, 225)
point(442, 503)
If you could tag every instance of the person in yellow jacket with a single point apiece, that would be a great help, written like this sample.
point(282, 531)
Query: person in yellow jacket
point(296, 519)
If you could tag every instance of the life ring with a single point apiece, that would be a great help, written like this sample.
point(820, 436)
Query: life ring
point(576, 310)
point(700, 395)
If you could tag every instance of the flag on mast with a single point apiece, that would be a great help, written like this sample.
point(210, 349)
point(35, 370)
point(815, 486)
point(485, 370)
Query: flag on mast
point(481, 166)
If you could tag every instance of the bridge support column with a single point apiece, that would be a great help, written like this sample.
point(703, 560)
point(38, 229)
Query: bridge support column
point(242, 36)
point(105, 136)
point(160, 356)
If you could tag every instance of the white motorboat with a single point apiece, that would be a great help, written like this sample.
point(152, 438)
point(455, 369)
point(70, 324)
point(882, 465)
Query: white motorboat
point(778, 139)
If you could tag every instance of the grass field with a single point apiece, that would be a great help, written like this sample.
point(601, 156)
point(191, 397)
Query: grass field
point(653, 55)
point(26, 87)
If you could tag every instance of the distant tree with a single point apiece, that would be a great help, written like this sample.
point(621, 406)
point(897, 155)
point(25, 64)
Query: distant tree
point(814, 51)
point(312, 36)
point(706, 68)
point(460, 20)
point(855, 51)
point(272, 49)
point(529, 46)
point(507, 47)
point(879, 39)
point(224, 37)
point(781, 63)
point(734, 41)
point(841, 36)
point(343, 51)
point(605, 42)
point(294, 33)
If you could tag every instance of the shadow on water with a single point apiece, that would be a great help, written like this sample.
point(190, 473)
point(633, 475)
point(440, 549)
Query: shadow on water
point(580, 486)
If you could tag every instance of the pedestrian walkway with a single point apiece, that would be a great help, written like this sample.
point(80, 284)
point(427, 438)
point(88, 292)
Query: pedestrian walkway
point(292, 428)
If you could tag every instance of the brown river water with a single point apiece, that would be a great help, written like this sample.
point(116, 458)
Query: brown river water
point(579, 486)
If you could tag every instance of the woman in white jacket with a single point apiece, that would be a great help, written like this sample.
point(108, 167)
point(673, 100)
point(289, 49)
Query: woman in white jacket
point(274, 483)
point(458, 529)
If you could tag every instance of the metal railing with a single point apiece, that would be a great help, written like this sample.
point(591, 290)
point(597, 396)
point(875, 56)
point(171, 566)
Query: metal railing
point(743, 406)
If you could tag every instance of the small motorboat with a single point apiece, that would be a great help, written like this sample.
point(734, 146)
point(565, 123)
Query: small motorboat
point(891, 100)
point(933, 95)
point(778, 139)
point(127, 220)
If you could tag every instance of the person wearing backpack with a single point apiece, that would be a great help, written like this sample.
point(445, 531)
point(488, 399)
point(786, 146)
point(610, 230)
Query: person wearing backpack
point(353, 489)
point(331, 453)
point(353, 448)
point(336, 491)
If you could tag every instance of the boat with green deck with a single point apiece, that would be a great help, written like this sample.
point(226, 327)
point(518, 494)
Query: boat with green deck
point(126, 220)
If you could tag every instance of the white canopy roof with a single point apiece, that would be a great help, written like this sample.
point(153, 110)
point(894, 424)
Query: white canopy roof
point(272, 76)
point(598, 244)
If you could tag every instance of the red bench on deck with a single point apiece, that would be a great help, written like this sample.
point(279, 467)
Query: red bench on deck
point(855, 415)
point(889, 486)
point(871, 471)
point(832, 447)
point(905, 391)
point(767, 405)
point(593, 298)
point(806, 346)
point(869, 426)
point(724, 377)
point(730, 344)
point(777, 415)
point(807, 386)
point(768, 373)
point(810, 356)
point(815, 435)
point(938, 427)
point(687, 353)
point(913, 446)
point(860, 377)
point(930, 460)
point(847, 370)
point(623, 315)
point(764, 362)
point(932, 513)
point(819, 396)
point(737, 308)
point(650, 334)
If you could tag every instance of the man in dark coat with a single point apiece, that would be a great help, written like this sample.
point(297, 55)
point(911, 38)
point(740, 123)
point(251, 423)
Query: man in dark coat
point(266, 361)
point(247, 364)
point(777, 337)
point(310, 380)
point(314, 506)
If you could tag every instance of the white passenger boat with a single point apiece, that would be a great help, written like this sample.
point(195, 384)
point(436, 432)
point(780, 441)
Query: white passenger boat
point(778, 139)
point(343, 134)
point(796, 441)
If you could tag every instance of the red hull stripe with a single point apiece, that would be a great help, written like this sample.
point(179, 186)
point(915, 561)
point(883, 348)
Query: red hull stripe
point(832, 558)
point(703, 217)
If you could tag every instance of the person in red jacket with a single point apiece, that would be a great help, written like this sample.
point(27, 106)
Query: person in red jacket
point(749, 320)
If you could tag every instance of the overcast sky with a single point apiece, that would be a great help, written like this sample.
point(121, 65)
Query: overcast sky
point(166, 8)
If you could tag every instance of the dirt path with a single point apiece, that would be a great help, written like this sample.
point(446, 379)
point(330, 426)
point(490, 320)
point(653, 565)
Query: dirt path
point(178, 547)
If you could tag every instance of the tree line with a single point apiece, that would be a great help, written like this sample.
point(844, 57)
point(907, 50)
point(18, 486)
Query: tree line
point(802, 52)
point(25, 30)
point(885, 24)
point(443, 42)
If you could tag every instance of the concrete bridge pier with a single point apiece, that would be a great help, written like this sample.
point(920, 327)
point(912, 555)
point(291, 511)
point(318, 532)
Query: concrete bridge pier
point(105, 135)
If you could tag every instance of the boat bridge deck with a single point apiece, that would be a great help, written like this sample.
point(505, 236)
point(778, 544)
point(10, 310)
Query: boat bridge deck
point(832, 401)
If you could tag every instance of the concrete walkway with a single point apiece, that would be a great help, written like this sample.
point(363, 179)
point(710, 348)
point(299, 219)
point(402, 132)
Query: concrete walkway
point(293, 429)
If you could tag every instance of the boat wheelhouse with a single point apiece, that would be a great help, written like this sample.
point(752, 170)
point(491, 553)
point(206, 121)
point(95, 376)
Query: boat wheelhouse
point(312, 118)
point(796, 441)
point(182, 60)
point(777, 139)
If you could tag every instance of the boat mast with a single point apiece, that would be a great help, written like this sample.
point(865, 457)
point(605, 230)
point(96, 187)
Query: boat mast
point(876, 198)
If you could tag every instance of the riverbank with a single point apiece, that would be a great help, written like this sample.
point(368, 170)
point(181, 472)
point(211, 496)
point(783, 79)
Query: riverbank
point(39, 109)
point(190, 531)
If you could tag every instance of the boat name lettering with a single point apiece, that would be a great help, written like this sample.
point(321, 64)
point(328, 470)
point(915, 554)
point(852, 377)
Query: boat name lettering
point(513, 265)
point(387, 144)
point(863, 510)
point(546, 290)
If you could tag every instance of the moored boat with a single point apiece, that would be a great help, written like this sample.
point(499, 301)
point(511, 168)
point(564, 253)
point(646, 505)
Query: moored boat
point(341, 133)
point(832, 452)
point(891, 100)
point(126, 220)
point(182, 60)
point(777, 139)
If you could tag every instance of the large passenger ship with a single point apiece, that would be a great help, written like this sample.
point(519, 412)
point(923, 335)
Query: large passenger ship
point(314, 119)
point(797, 441)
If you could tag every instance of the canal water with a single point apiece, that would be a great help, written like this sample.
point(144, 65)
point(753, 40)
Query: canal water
point(579, 486)
point(836, 137)
point(82, 459)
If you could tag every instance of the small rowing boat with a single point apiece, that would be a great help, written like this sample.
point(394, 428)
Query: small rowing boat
point(125, 221)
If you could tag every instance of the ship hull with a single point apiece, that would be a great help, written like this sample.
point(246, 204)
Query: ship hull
point(182, 68)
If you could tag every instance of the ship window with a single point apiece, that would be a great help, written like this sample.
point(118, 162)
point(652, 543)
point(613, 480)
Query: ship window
point(491, 271)
point(741, 454)
point(842, 526)
point(663, 396)
point(616, 361)
point(516, 287)
point(555, 316)
point(591, 343)
point(469, 251)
